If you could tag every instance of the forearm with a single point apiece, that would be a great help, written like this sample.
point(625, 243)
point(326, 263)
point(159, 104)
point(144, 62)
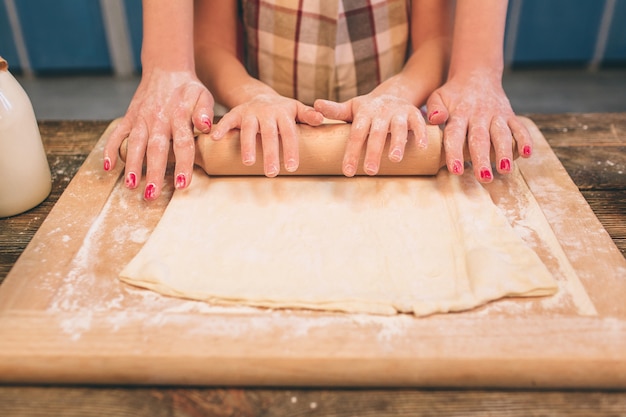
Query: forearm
point(217, 63)
point(167, 35)
point(226, 77)
point(425, 69)
point(478, 37)
point(421, 75)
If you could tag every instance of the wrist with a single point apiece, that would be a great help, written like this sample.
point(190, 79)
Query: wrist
point(484, 71)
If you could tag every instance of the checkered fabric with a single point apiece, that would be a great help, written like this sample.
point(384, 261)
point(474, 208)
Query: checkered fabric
point(332, 49)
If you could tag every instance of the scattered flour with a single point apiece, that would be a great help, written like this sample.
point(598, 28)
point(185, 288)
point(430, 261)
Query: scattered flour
point(90, 294)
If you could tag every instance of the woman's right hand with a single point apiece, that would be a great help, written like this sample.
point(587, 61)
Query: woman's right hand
point(167, 106)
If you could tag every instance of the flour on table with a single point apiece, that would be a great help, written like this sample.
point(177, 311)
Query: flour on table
point(362, 245)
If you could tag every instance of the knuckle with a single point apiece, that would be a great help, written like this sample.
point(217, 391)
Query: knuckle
point(158, 143)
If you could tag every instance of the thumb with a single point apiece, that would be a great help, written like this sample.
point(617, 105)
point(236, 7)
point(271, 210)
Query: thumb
point(202, 116)
point(436, 110)
point(334, 110)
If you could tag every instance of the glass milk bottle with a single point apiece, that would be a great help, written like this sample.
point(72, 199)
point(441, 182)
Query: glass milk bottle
point(25, 179)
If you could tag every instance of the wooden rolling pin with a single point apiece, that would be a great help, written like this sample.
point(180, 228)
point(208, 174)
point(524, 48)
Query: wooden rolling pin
point(321, 153)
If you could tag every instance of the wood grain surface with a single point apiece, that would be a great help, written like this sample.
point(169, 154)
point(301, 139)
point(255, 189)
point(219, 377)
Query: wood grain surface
point(591, 147)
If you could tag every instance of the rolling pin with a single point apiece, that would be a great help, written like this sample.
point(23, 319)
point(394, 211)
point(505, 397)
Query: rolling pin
point(321, 153)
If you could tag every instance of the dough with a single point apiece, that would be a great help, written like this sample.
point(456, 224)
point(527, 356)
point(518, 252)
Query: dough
point(372, 245)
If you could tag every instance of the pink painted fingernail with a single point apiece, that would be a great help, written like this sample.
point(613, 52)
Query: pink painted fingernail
point(457, 167)
point(485, 174)
point(150, 192)
point(107, 164)
point(206, 120)
point(181, 181)
point(131, 180)
point(505, 164)
point(527, 150)
point(433, 114)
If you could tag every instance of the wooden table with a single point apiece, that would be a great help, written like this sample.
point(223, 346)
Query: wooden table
point(592, 147)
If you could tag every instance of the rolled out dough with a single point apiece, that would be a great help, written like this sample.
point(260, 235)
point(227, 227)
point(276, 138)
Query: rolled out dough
point(366, 244)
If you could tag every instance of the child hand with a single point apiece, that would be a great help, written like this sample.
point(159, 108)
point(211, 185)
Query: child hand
point(274, 117)
point(476, 107)
point(166, 107)
point(373, 117)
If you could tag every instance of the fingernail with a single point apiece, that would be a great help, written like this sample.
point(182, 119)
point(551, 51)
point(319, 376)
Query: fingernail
point(422, 143)
point(272, 171)
point(505, 164)
point(433, 114)
point(396, 155)
point(150, 191)
point(485, 174)
point(526, 151)
point(107, 164)
point(206, 121)
point(371, 169)
point(181, 181)
point(457, 167)
point(349, 170)
point(291, 165)
point(248, 160)
point(131, 180)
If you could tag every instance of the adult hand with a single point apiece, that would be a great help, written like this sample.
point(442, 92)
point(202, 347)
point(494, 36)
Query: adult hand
point(475, 109)
point(166, 107)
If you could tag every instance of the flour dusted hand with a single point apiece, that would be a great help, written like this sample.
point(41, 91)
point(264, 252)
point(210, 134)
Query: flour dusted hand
point(274, 117)
point(166, 107)
point(373, 117)
point(475, 109)
point(169, 102)
point(472, 101)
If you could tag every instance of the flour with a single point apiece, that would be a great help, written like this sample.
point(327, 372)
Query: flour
point(91, 296)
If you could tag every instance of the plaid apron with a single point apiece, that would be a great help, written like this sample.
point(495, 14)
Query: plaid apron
point(332, 49)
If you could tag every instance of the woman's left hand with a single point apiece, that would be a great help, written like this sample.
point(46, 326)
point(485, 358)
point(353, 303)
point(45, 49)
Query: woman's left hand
point(475, 109)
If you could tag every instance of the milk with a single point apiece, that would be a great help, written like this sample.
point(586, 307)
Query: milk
point(25, 179)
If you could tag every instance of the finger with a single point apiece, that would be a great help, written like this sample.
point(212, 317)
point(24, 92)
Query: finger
point(136, 151)
point(352, 155)
point(247, 137)
point(184, 148)
point(436, 109)
point(112, 147)
point(156, 154)
point(231, 120)
point(417, 125)
point(399, 133)
point(479, 143)
point(334, 110)
point(270, 142)
point(454, 136)
point(202, 115)
point(308, 115)
point(289, 140)
point(502, 141)
point(522, 137)
point(375, 145)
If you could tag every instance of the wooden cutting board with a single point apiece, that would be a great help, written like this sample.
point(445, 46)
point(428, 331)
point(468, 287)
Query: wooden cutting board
point(65, 318)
